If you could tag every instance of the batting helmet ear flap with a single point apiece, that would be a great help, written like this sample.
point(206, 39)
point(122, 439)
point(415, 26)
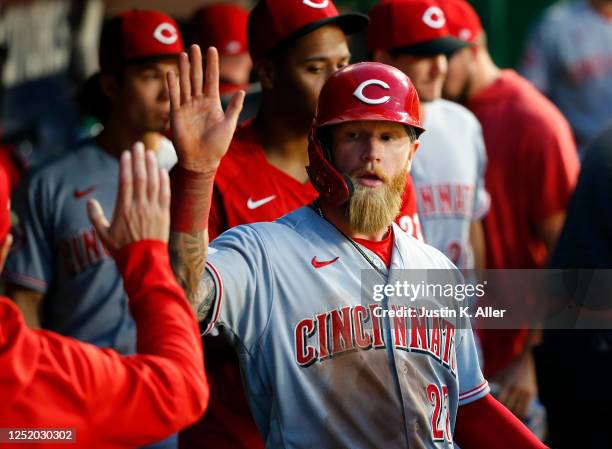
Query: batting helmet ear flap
point(334, 186)
point(323, 135)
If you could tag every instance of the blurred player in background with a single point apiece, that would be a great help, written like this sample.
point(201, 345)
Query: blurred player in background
point(60, 273)
point(224, 26)
point(585, 243)
point(531, 173)
point(448, 170)
point(568, 57)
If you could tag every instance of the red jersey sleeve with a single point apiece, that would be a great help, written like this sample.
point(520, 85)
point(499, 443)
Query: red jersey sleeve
point(486, 424)
point(163, 388)
point(113, 400)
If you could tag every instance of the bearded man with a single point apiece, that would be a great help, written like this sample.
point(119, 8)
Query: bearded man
point(321, 367)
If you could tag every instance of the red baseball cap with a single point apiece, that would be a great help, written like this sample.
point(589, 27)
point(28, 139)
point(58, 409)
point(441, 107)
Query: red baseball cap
point(223, 26)
point(462, 20)
point(273, 22)
point(417, 27)
point(137, 35)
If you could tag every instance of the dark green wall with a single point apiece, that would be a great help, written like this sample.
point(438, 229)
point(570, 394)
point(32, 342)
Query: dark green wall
point(507, 23)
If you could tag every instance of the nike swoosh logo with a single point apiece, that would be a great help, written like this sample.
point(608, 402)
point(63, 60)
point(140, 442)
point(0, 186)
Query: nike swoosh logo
point(255, 204)
point(320, 264)
point(81, 193)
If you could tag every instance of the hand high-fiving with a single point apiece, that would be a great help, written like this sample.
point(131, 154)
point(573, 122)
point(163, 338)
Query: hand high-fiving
point(201, 130)
point(142, 209)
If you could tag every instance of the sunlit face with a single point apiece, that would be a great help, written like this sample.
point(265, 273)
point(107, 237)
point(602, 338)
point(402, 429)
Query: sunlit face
point(306, 66)
point(427, 73)
point(458, 79)
point(141, 95)
point(376, 155)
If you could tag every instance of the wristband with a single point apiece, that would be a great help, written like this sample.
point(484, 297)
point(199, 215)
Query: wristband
point(191, 199)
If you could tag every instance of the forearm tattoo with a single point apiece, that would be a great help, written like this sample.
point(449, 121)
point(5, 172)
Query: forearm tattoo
point(188, 254)
point(207, 285)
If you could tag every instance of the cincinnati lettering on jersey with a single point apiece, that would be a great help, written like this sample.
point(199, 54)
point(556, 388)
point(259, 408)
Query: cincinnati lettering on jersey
point(446, 200)
point(81, 251)
point(353, 328)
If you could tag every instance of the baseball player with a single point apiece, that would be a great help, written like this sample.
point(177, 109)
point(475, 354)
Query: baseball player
point(296, 46)
point(224, 26)
point(584, 244)
point(531, 172)
point(567, 58)
point(60, 270)
point(97, 397)
point(289, 291)
point(448, 172)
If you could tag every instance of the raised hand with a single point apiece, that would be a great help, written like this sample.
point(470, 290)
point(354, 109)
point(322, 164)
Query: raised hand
point(201, 130)
point(142, 209)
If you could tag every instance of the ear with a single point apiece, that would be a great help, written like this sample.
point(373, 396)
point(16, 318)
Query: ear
point(413, 149)
point(382, 56)
point(109, 85)
point(266, 73)
point(474, 49)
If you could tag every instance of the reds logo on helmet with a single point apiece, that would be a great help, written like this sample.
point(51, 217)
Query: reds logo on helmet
point(359, 92)
point(316, 4)
point(166, 33)
point(434, 17)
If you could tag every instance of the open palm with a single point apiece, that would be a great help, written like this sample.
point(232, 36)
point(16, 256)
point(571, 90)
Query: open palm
point(202, 131)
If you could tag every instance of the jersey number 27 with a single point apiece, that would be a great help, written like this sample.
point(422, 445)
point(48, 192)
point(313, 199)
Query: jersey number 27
point(440, 418)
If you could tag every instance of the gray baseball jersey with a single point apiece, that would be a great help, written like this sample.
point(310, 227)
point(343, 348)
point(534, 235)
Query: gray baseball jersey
point(569, 58)
point(321, 369)
point(60, 255)
point(448, 174)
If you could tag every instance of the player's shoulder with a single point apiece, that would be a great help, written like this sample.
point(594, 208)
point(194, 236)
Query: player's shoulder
point(564, 12)
point(450, 107)
point(70, 163)
point(244, 154)
point(540, 115)
point(459, 114)
point(528, 103)
point(559, 19)
point(288, 227)
point(418, 254)
point(296, 223)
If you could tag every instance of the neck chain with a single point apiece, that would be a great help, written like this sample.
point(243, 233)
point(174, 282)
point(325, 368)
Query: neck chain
point(317, 207)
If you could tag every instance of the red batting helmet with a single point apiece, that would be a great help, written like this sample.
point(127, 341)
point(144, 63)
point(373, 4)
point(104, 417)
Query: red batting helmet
point(364, 91)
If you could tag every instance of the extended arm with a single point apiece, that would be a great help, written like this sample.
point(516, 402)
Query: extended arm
point(486, 424)
point(163, 387)
point(202, 133)
point(50, 378)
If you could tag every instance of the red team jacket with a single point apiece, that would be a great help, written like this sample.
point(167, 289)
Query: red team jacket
point(531, 172)
point(48, 381)
point(249, 189)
